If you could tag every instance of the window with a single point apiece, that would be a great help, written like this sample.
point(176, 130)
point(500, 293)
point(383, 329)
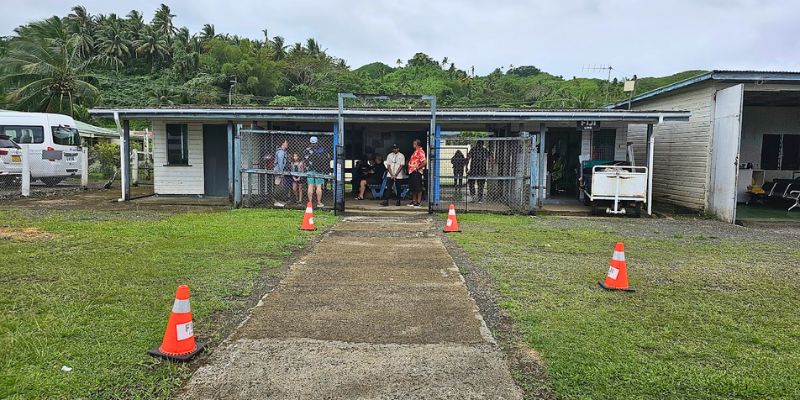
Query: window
point(66, 136)
point(24, 134)
point(790, 159)
point(780, 152)
point(603, 144)
point(177, 144)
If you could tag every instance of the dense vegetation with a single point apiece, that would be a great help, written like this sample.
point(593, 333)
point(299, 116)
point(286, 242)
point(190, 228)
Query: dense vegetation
point(67, 64)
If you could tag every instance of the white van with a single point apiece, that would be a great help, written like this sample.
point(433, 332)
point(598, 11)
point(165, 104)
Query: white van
point(53, 143)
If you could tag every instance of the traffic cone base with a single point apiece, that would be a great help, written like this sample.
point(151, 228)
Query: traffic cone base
point(156, 352)
point(603, 285)
point(452, 222)
point(308, 219)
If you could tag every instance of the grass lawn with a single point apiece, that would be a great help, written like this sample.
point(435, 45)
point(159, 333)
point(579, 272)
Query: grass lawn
point(93, 291)
point(715, 315)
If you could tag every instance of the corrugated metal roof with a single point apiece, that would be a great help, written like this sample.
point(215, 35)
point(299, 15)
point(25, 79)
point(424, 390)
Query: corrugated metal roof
point(462, 115)
point(718, 75)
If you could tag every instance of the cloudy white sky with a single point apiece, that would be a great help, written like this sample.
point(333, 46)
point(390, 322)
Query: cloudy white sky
point(646, 37)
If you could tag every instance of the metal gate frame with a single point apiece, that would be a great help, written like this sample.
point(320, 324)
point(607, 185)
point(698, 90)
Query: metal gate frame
point(432, 134)
point(516, 196)
point(247, 168)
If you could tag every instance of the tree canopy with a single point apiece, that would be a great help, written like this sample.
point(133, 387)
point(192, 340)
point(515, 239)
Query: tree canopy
point(67, 64)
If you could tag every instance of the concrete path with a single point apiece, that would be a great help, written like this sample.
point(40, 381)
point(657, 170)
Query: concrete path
point(376, 310)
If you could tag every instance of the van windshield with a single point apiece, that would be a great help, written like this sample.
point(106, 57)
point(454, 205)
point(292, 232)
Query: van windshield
point(66, 136)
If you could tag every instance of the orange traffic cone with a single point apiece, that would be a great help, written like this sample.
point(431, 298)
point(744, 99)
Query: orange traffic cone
point(178, 343)
point(308, 219)
point(452, 221)
point(617, 277)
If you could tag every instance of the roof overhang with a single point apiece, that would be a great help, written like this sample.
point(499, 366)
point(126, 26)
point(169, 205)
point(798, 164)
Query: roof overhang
point(358, 115)
point(759, 77)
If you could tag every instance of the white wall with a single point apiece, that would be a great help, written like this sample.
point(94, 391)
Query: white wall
point(681, 158)
point(758, 121)
point(178, 179)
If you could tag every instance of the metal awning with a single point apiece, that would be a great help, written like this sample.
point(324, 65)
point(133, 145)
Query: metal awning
point(389, 115)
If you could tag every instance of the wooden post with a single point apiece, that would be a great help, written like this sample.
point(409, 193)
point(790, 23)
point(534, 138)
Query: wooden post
point(650, 148)
point(125, 159)
point(84, 168)
point(26, 170)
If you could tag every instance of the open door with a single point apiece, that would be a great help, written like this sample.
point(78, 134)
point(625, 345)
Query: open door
point(725, 152)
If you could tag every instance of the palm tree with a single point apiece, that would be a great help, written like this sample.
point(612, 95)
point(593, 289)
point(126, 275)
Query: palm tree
point(207, 33)
point(152, 45)
point(279, 48)
point(46, 72)
point(81, 25)
point(112, 42)
point(134, 24)
point(162, 21)
point(313, 47)
point(297, 49)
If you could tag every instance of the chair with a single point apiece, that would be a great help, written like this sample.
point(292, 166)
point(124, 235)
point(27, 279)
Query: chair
point(377, 190)
point(794, 195)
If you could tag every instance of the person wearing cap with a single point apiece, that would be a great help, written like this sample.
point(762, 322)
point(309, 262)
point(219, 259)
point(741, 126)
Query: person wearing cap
point(416, 166)
point(395, 174)
point(316, 164)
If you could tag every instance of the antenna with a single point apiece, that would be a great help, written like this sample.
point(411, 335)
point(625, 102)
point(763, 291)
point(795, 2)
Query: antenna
point(608, 68)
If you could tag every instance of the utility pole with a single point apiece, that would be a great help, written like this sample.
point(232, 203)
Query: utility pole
point(230, 91)
point(603, 68)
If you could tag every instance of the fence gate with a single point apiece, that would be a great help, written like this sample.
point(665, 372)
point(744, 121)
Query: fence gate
point(482, 173)
point(278, 166)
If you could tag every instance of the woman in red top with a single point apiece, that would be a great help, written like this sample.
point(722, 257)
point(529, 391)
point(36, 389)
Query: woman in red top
point(416, 165)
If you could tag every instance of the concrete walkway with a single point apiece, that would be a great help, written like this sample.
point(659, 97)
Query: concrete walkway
point(376, 310)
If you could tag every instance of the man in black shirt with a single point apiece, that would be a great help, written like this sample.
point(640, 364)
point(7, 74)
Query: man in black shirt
point(477, 157)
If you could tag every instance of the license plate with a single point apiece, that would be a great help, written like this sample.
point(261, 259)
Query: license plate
point(16, 158)
point(70, 158)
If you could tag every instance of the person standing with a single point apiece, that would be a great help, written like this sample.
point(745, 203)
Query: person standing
point(459, 163)
point(477, 158)
point(316, 166)
point(396, 174)
point(416, 166)
point(281, 165)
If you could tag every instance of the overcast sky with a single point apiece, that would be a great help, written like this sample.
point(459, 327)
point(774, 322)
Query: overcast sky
point(647, 37)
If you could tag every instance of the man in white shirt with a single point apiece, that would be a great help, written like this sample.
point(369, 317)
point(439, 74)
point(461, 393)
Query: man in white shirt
point(395, 173)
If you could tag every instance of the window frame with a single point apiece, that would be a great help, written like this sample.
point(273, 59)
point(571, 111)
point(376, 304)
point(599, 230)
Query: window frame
point(18, 127)
point(594, 144)
point(780, 155)
point(170, 134)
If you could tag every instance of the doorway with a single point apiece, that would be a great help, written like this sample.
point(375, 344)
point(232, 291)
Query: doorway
point(563, 164)
point(215, 160)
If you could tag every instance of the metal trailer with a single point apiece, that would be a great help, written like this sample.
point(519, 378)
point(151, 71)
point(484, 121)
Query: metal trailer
point(616, 189)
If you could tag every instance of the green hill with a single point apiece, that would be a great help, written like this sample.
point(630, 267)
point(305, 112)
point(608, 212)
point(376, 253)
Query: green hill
point(68, 64)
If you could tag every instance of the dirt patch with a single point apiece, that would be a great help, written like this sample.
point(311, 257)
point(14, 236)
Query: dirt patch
point(24, 234)
point(526, 364)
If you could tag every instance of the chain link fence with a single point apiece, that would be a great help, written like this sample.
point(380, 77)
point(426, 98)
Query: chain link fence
point(44, 179)
point(287, 168)
point(483, 174)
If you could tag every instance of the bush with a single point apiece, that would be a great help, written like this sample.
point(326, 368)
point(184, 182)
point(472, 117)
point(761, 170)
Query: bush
point(106, 155)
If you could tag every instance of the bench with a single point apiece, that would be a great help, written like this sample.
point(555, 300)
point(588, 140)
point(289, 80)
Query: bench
point(378, 190)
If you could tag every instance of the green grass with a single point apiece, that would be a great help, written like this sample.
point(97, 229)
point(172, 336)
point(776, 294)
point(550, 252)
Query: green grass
point(97, 294)
point(711, 318)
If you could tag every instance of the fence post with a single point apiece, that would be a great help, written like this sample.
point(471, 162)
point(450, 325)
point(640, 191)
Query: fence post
point(84, 168)
point(135, 168)
point(26, 170)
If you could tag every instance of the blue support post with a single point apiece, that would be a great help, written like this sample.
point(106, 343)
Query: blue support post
point(338, 172)
point(436, 168)
point(230, 160)
point(237, 175)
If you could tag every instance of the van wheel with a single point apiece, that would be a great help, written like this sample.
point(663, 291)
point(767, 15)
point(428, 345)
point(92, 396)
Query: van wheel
point(50, 182)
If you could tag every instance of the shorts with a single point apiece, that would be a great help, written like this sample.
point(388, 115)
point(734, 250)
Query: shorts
point(415, 182)
point(315, 178)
